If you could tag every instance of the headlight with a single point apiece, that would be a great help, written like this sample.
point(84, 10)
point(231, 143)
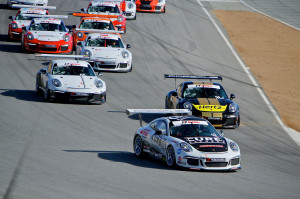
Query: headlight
point(234, 147)
point(66, 38)
point(87, 52)
point(56, 83)
point(232, 107)
point(187, 105)
point(98, 83)
point(30, 36)
point(186, 147)
point(79, 34)
point(14, 26)
point(120, 19)
point(125, 54)
point(130, 5)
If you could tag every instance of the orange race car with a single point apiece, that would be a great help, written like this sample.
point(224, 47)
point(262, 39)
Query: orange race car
point(90, 24)
point(151, 5)
point(109, 10)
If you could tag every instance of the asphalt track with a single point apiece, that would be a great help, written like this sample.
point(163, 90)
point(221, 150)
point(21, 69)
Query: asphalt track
point(58, 150)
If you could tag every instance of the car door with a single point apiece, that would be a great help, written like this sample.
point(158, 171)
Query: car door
point(45, 75)
point(160, 137)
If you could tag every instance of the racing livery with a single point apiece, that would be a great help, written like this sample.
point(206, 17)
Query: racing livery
point(205, 99)
point(70, 79)
point(109, 10)
point(20, 21)
point(186, 141)
point(47, 35)
point(27, 2)
point(107, 52)
point(151, 5)
point(130, 11)
point(88, 24)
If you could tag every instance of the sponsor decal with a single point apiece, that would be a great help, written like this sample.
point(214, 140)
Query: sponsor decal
point(195, 140)
point(145, 132)
point(218, 108)
point(157, 139)
point(203, 86)
point(215, 159)
point(179, 123)
point(179, 151)
point(179, 158)
point(183, 163)
point(203, 146)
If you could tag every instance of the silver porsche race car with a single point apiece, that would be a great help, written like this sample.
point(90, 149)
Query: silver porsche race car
point(70, 79)
point(185, 141)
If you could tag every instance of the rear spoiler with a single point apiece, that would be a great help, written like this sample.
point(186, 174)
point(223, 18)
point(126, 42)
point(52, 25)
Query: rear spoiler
point(32, 6)
point(98, 31)
point(156, 111)
point(63, 56)
point(192, 77)
point(46, 16)
point(79, 14)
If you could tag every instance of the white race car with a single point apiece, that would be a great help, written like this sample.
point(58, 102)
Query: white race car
point(70, 79)
point(28, 2)
point(107, 52)
point(186, 141)
point(130, 11)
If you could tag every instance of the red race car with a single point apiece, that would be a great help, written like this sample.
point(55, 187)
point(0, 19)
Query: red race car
point(47, 35)
point(151, 5)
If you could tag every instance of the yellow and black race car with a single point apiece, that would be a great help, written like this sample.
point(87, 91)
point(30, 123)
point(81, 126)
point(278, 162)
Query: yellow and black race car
point(207, 100)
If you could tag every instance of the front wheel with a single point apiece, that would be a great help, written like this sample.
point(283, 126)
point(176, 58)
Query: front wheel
point(138, 146)
point(170, 157)
point(47, 94)
point(37, 87)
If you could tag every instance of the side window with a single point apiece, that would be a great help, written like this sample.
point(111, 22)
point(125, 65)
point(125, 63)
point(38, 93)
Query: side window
point(179, 90)
point(153, 125)
point(161, 126)
point(49, 68)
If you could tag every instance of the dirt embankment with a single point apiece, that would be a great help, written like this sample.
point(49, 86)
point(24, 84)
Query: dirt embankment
point(272, 51)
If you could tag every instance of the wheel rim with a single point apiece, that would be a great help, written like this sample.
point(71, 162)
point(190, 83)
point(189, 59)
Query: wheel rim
point(138, 145)
point(170, 156)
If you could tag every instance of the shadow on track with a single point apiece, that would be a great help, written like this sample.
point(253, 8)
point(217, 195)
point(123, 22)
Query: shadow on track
point(24, 95)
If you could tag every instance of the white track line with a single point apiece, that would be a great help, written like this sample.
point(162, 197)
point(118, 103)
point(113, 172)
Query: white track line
point(291, 132)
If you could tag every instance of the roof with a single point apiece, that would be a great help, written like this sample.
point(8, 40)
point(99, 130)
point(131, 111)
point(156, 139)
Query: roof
point(98, 19)
point(47, 20)
point(33, 11)
point(68, 62)
point(104, 36)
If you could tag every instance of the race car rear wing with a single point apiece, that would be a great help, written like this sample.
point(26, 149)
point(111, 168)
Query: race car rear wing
point(63, 56)
point(156, 111)
point(46, 16)
point(80, 14)
point(192, 77)
point(98, 31)
point(31, 6)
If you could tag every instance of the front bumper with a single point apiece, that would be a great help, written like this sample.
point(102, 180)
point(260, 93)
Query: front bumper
point(80, 97)
point(150, 8)
point(112, 65)
point(130, 14)
point(49, 47)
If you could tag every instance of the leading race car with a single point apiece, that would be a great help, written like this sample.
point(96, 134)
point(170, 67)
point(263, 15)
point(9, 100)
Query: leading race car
point(70, 79)
point(185, 141)
point(47, 35)
point(205, 99)
point(107, 52)
point(109, 10)
point(151, 5)
point(27, 2)
point(20, 21)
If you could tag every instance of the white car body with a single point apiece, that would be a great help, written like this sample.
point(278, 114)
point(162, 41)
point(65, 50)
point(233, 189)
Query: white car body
point(26, 23)
point(57, 82)
point(106, 58)
point(130, 11)
point(200, 152)
point(28, 2)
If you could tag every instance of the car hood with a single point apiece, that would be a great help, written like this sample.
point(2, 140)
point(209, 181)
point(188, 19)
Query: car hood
point(48, 35)
point(207, 144)
point(22, 23)
point(210, 104)
point(106, 53)
point(73, 82)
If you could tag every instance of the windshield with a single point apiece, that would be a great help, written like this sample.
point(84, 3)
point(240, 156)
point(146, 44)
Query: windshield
point(193, 130)
point(21, 17)
point(105, 43)
point(48, 27)
point(97, 25)
point(104, 9)
point(73, 70)
point(197, 91)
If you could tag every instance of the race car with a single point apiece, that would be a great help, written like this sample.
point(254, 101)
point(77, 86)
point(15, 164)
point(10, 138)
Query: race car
point(205, 99)
point(88, 24)
point(70, 79)
point(185, 141)
point(20, 21)
point(107, 52)
point(47, 35)
point(27, 2)
point(109, 10)
point(151, 5)
point(130, 11)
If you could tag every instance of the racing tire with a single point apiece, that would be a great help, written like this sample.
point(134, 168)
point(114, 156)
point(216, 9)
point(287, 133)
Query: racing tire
point(166, 103)
point(22, 42)
point(164, 10)
point(47, 94)
point(170, 157)
point(37, 87)
point(130, 69)
point(134, 18)
point(138, 146)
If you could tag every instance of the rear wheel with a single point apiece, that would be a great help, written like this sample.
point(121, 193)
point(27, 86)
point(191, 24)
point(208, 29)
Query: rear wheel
point(37, 87)
point(138, 146)
point(170, 158)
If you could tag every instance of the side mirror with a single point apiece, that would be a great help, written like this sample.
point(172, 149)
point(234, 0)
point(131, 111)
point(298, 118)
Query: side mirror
point(222, 133)
point(43, 71)
point(10, 17)
point(24, 28)
point(174, 94)
point(158, 132)
point(82, 10)
point(232, 96)
point(128, 46)
point(74, 26)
